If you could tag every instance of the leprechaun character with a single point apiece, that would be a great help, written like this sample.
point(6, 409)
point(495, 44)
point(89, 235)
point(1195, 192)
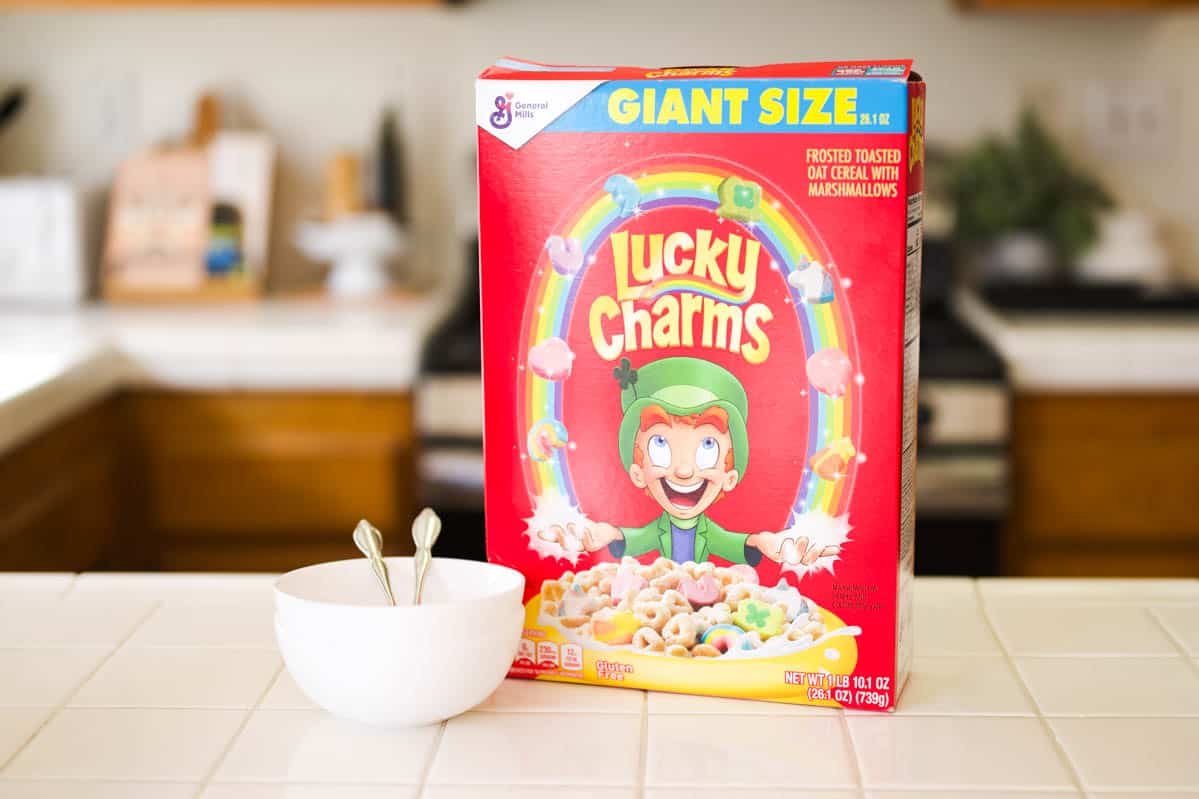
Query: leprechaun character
point(683, 441)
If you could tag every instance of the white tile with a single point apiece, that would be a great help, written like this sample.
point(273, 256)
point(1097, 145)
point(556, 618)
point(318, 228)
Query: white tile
point(45, 677)
point(126, 744)
point(936, 752)
point(542, 748)
point(748, 751)
point(530, 791)
point(746, 793)
point(69, 623)
point(963, 686)
point(286, 695)
point(312, 746)
point(1063, 794)
point(959, 591)
point(686, 704)
point(1132, 754)
point(1055, 630)
point(952, 630)
point(972, 794)
point(1112, 686)
point(17, 725)
point(1141, 795)
point(202, 624)
point(68, 789)
point(35, 585)
point(1182, 622)
point(1086, 591)
point(180, 677)
point(542, 696)
point(253, 791)
point(177, 586)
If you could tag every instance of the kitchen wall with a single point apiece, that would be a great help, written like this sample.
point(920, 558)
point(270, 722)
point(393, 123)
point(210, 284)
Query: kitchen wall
point(107, 82)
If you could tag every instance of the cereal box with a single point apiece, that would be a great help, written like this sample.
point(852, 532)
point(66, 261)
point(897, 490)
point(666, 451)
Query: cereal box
point(700, 298)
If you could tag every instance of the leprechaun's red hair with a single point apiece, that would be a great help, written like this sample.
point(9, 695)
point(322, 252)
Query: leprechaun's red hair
point(656, 414)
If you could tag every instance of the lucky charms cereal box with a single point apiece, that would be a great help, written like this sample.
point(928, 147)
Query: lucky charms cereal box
point(699, 297)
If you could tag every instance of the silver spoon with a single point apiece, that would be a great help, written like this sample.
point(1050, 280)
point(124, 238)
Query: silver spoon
point(425, 529)
point(370, 542)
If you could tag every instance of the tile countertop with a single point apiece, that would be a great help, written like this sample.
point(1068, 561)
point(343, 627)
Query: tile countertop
point(170, 686)
point(54, 362)
point(1107, 353)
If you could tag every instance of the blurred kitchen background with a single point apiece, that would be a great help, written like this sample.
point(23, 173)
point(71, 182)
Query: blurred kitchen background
point(245, 416)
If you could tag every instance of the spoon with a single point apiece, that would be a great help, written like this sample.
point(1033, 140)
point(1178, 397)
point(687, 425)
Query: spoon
point(425, 529)
point(370, 542)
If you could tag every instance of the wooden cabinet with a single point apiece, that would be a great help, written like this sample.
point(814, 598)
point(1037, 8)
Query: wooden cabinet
point(212, 481)
point(1105, 485)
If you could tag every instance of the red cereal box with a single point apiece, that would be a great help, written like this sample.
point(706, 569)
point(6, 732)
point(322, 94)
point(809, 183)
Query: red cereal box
point(700, 297)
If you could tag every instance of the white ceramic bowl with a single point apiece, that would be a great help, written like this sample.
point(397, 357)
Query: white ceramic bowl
point(399, 666)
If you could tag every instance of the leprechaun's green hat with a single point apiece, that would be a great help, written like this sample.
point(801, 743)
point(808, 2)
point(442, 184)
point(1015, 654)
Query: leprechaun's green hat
point(681, 386)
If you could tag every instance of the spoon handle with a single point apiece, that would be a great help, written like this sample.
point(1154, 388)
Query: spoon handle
point(421, 561)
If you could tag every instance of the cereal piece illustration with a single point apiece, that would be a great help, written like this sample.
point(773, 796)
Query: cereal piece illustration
point(724, 637)
point(739, 199)
point(813, 282)
point(624, 193)
point(831, 462)
point(551, 359)
point(627, 582)
point(745, 573)
point(618, 628)
point(545, 438)
point(756, 616)
point(701, 592)
point(828, 371)
point(566, 254)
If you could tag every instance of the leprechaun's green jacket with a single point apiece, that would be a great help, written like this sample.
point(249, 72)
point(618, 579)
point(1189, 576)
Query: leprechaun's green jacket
point(710, 539)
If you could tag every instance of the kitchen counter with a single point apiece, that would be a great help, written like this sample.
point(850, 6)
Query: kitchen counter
point(163, 686)
point(1094, 353)
point(54, 362)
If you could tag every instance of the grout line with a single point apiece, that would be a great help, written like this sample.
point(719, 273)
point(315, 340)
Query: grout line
point(74, 692)
point(1177, 642)
point(1063, 756)
point(643, 753)
point(433, 752)
point(855, 757)
point(220, 758)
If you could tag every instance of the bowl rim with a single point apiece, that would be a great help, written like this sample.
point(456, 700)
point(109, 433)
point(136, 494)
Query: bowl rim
point(517, 587)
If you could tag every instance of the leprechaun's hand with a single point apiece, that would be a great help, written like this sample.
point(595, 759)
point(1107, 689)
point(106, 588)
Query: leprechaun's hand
point(795, 551)
point(599, 534)
point(769, 544)
point(569, 536)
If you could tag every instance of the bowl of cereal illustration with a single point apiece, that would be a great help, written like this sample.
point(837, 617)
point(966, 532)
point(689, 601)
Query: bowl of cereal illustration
point(634, 621)
point(406, 665)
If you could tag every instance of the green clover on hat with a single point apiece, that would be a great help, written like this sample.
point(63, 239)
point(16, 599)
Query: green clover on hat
point(682, 386)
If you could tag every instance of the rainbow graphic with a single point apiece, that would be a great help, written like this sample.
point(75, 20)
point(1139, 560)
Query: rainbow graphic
point(787, 239)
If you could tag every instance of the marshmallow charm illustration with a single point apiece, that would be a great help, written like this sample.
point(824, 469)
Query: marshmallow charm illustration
point(551, 359)
point(828, 371)
point(813, 282)
point(624, 193)
point(566, 255)
point(739, 199)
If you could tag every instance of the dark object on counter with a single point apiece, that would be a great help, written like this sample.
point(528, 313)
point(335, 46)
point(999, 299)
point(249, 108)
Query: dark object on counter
point(455, 347)
point(1084, 298)
point(390, 193)
point(11, 105)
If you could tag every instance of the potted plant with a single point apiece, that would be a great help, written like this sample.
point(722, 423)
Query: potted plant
point(1021, 205)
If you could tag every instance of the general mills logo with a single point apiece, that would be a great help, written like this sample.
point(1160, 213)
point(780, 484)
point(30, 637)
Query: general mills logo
point(502, 116)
